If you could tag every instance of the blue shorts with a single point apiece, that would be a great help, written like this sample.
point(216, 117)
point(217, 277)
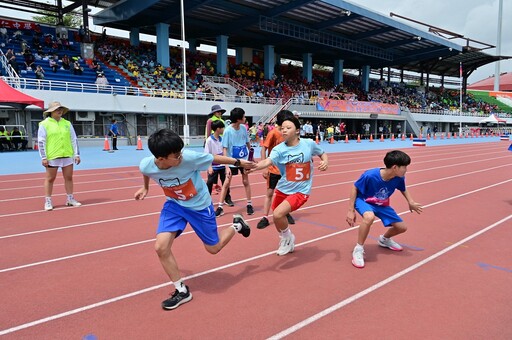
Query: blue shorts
point(174, 218)
point(386, 214)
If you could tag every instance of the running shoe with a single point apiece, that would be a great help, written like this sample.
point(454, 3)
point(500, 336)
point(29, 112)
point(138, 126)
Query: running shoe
point(250, 209)
point(177, 299)
point(263, 223)
point(290, 219)
point(48, 206)
point(219, 212)
point(286, 245)
point(389, 243)
point(229, 202)
point(358, 257)
point(245, 230)
point(73, 203)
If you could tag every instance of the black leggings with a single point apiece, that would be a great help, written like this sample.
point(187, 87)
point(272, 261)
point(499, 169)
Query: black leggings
point(214, 177)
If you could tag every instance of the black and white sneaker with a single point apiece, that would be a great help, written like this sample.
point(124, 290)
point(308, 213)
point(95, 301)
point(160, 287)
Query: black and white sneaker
point(246, 230)
point(290, 219)
point(229, 202)
point(219, 212)
point(250, 209)
point(177, 299)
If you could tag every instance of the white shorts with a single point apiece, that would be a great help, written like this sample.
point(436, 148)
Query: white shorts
point(60, 162)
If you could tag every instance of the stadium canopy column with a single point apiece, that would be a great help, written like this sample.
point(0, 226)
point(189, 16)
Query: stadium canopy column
point(307, 66)
point(243, 55)
point(338, 71)
point(192, 45)
point(162, 44)
point(365, 78)
point(268, 55)
point(222, 54)
point(135, 36)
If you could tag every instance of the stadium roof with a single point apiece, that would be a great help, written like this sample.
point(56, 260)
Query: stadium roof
point(329, 29)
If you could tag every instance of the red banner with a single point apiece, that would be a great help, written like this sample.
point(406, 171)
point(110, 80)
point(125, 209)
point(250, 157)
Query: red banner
point(20, 25)
point(353, 106)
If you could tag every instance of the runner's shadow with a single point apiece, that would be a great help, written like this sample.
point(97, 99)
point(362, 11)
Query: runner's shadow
point(307, 254)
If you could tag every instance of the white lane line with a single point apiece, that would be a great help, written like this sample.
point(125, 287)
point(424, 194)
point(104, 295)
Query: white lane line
point(380, 284)
point(142, 291)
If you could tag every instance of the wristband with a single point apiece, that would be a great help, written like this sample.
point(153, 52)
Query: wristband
point(237, 162)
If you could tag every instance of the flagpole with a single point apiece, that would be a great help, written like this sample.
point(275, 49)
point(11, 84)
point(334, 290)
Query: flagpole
point(460, 99)
point(186, 129)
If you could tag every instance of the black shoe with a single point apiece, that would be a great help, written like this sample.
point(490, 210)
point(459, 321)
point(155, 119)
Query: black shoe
point(263, 223)
point(250, 209)
point(115, 149)
point(219, 212)
point(246, 230)
point(229, 202)
point(177, 299)
point(290, 219)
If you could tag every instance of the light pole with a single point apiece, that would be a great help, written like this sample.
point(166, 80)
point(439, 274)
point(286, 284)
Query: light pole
point(498, 48)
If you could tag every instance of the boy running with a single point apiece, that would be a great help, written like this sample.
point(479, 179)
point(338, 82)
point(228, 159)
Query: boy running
point(178, 172)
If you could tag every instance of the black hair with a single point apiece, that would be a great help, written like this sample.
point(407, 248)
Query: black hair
point(396, 157)
point(165, 142)
point(217, 124)
point(282, 115)
point(292, 119)
point(236, 114)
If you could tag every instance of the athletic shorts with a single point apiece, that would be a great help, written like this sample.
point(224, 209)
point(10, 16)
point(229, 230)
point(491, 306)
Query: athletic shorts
point(296, 200)
point(174, 218)
point(60, 162)
point(236, 170)
point(272, 180)
point(386, 214)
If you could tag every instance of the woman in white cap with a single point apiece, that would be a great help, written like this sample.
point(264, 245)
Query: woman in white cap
point(58, 148)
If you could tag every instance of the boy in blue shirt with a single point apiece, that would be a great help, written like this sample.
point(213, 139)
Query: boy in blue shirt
point(178, 172)
point(370, 197)
point(294, 159)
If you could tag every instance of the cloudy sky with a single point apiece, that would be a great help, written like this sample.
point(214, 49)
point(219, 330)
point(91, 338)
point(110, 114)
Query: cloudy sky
point(474, 19)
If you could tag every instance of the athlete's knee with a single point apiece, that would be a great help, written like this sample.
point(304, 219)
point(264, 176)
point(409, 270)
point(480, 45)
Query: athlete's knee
point(368, 217)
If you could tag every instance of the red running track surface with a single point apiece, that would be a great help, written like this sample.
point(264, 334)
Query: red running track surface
point(91, 272)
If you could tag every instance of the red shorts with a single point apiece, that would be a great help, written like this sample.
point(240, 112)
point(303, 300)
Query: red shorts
point(296, 200)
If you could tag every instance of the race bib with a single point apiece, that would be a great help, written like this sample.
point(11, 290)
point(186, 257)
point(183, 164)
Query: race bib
point(240, 151)
point(182, 192)
point(298, 172)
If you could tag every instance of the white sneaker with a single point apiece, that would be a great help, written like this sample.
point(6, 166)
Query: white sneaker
point(389, 243)
point(73, 203)
point(358, 257)
point(286, 245)
point(48, 206)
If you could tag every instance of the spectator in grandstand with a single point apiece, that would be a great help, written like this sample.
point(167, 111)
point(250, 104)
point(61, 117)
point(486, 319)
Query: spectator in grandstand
point(77, 68)
point(114, 132)
point(294, 159)
point(58, 148)
point(101, 81)
point(272, 174)
point(370, 197)
point(29, 60)
point(39, 72)
point(53, 63)
point(235, 143)
point(178, 172)
point(14, 65)
point(66, 63)
point(18, 141)
point(3, 34)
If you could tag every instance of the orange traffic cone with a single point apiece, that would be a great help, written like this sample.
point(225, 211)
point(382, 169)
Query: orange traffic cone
point(442, 135)
point(316, 140)
point(403, 136)
point(421, 136)
point(382, 137)
point(434, 135)
point(106, 146)
point(392, 137)
point(428, 136)
point(36, 147)
point(358, 138)
point(371, 138)
point(332, 140)
point(346, 138)
point(448, 135)
point(139, 143)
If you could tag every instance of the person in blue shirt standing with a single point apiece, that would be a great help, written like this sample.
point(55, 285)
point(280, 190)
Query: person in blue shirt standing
point(370, 196)
point(294, 159)
point(178, 172)
point(114, 132)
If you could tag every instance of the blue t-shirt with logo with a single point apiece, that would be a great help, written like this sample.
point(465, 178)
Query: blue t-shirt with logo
point(183, 183)
point(374, 190)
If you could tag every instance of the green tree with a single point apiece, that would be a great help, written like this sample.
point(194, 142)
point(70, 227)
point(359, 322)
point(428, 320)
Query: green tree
point(73, 19)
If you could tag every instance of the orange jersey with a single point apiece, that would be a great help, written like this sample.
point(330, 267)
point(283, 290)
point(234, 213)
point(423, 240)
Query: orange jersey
point(274, 137)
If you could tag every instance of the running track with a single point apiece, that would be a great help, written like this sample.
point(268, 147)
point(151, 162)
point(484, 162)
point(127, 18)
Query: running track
point(91, 272)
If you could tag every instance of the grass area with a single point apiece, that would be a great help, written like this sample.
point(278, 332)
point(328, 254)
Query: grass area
point(484, 96)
